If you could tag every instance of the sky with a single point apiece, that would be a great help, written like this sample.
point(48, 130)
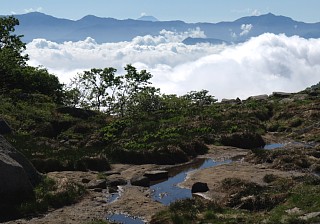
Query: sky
point(186, 10)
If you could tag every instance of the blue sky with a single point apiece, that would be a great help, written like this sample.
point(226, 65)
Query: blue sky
point(187, 10)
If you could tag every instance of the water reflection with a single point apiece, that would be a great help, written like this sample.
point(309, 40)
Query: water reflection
point(167, 191)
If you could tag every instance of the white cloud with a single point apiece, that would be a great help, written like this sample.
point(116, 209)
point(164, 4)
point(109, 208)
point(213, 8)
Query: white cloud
point(246, 28)
point(39, 9)
point(255, 12)
point(259, 66)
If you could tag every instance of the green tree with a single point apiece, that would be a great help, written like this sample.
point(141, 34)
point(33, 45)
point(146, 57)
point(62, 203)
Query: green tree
point(11, 53)
point(200, 98)
point(133, 82)
point(146, 101)
point(98, 88)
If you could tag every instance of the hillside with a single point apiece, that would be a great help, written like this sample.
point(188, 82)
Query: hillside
point(38, 25)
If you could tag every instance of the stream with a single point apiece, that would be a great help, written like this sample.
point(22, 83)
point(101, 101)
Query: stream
point(168, 191)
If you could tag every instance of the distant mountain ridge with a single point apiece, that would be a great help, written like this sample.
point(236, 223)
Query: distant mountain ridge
point(38, 25)
point(148, 18)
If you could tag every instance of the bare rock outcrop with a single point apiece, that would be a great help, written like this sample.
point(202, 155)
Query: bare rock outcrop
point(17, 178)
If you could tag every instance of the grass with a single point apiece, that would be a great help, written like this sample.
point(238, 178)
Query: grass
point(303, 194)
point(49, 195)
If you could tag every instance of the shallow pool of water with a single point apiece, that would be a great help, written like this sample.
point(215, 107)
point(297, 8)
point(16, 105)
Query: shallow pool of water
point(273, 146)
point(168, 191)
point(112, 197)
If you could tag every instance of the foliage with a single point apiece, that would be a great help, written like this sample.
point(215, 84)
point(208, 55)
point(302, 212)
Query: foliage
point(15, 75)
point(11, 48)
point(103, 89)
point(48, 195)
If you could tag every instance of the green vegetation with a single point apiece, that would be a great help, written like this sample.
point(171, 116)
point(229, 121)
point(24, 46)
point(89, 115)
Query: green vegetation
point(281, 201)
point(50, 194)
point(124, 118)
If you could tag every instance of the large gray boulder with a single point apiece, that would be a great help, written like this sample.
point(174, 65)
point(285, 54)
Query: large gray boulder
point(4, 127)
point(17, 177)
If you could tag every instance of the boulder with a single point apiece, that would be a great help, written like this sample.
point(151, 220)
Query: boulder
point(199, 187)
point(4, 127)
point(140, 181)
point(7, 149)
point(17, 178)
point(157, 175)
point(231, 101)
point(97, 184)
point(116, 181)
point(259, 97)
point(281, 94)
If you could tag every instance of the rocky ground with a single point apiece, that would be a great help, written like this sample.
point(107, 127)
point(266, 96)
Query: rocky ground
point(137, 201)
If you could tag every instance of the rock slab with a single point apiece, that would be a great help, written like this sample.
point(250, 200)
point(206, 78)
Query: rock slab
point(17, 178)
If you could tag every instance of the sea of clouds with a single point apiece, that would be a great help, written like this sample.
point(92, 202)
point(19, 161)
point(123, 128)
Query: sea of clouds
point(261, 65)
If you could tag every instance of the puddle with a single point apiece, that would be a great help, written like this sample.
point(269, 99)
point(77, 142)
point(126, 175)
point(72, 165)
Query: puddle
point(121, 218)
point(168, 191)
point(288, 144)
point(113, 197)
point(273, 146)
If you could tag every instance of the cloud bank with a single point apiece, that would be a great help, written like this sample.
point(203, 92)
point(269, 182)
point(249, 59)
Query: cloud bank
point(259, 66)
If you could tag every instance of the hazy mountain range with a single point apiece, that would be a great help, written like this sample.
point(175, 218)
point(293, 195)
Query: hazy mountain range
point(38, 25)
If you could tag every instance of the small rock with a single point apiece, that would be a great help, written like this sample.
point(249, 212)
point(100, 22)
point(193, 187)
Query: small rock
point(117, 182)
point(140, 181)
point(85, 180)
point(199, 187)
point(97, 184)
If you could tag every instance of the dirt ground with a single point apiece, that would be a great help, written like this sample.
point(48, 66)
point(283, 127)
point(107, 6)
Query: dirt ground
point(137, 201)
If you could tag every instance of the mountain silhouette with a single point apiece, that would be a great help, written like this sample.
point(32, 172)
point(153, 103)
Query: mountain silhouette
point(148, 18)
point(38, 25)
